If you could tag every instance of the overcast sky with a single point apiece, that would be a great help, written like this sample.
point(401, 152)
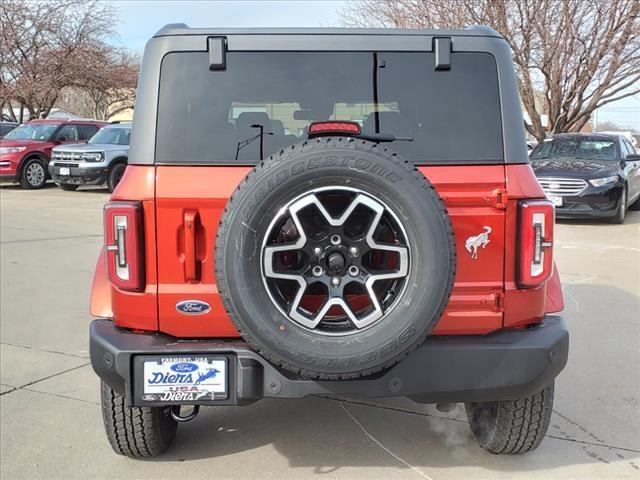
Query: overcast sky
point(140, 19)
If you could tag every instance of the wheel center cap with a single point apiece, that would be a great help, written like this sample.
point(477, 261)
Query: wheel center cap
point(335, 262)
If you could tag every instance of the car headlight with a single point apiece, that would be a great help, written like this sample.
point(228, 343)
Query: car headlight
point(8, 150)
point(93, 156)
point(601, 182)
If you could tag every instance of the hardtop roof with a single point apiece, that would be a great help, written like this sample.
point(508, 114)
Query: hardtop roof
point(177, 29)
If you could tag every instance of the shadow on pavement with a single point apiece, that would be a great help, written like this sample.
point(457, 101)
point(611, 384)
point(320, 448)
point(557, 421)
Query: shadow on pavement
point(327, 435)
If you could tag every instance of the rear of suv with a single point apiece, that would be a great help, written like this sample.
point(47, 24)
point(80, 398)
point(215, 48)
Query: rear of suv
point(312, 212)
point(102, 160)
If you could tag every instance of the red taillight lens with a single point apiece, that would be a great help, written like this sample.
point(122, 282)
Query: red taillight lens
point(123, 238)
point(535, 261)
point(327, 128)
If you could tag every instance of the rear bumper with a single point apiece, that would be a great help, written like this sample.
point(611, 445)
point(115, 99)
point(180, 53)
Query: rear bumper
point(503, 365)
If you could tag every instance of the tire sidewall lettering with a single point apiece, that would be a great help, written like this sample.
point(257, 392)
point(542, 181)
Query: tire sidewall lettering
point(283, 174)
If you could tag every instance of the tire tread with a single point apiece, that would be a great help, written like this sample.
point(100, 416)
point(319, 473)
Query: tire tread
point(518, 426)
point(136, 432)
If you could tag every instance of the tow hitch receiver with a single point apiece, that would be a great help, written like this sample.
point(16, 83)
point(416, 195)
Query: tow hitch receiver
point(178, 417)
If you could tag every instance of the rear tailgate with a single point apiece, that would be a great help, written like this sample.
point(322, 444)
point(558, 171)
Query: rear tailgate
point(190, 201)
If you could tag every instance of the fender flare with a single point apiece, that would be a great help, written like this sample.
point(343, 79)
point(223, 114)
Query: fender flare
point(100, 304)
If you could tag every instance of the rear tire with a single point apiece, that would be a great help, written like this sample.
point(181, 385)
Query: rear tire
point(512, 426)
point(68, 187)
point(136, 432)
point(115, 174)
point(33, 174)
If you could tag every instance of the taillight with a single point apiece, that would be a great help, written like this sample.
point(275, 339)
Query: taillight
point(535, 261)
point(125, 251)
point(330, 128)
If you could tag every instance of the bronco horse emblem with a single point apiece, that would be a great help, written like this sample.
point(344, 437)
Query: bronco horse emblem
point(210, 373)
point(474, 242)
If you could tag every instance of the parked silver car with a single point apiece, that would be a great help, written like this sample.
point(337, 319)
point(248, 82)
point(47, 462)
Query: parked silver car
point(103, 159)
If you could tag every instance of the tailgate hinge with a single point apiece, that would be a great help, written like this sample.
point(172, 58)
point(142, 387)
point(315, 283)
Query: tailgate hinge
point(498, 298)
point(498, 198)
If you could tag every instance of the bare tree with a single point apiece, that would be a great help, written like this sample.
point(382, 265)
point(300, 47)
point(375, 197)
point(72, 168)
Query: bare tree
point(571, 56)
point(45, 45)
point(110, 81)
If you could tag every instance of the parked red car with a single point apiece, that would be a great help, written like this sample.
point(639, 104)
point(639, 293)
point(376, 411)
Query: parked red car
point(26, 150)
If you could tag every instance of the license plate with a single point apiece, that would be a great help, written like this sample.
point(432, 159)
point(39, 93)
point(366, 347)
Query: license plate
point(184, 379)
point(557, 201)
point(65, 171)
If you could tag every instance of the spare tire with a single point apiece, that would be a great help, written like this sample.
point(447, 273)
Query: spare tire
point(335, 258)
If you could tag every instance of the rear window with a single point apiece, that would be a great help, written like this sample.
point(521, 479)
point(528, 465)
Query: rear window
point(217, 116)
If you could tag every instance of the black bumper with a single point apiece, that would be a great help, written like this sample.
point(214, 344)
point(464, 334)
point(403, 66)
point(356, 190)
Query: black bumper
point(506, 364)
point(80, 176)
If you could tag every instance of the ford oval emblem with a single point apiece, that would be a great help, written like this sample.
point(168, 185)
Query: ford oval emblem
point(184, 367)
point(193, 307)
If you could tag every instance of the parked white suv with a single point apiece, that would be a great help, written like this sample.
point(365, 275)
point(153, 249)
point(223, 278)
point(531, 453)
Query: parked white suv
point(102, 159)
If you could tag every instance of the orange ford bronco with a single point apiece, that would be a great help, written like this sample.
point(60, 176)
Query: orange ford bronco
point(314, 211)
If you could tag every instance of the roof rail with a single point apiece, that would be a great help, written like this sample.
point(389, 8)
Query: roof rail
point(170, 26)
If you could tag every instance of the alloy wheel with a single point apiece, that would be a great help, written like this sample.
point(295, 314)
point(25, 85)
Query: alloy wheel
point(35, 174)
point(335, 260)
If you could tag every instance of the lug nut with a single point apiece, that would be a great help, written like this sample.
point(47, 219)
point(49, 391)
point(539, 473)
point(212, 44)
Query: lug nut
point(317, 251)
point(354, 251)
point(335, 281)
point(335, 239)
point(354, 271)
point(317, 271)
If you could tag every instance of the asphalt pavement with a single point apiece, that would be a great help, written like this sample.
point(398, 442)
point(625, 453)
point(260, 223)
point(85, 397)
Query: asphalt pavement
point(51, 426)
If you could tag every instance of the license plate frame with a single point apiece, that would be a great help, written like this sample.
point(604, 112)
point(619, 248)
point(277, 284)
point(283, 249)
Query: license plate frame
point(180, 386)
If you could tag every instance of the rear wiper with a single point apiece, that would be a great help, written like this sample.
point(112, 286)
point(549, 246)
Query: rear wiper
point(383, 137)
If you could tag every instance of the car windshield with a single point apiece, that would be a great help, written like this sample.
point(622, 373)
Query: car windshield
point(572, 148)
point(112, 135)
point(30, 131)
point(263, 102)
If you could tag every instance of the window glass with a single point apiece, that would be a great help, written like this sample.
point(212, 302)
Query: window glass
point(265, 101)
point(624, 147)
point(630, 148)
point(112, 135)
point(68, 133)
point(33, 131)
point(87, 131)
